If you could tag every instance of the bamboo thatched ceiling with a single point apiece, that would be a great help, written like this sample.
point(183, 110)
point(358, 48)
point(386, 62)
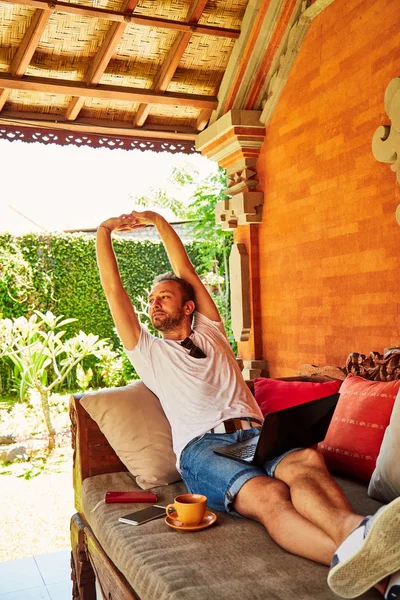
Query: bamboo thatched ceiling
point(143, 72)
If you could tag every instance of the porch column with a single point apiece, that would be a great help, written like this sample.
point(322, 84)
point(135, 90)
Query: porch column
point(234, 142)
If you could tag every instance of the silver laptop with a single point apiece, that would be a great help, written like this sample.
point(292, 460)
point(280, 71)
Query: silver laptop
point(300, 426)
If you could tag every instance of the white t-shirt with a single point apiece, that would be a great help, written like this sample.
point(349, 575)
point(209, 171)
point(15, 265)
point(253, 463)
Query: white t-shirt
point(196, 393)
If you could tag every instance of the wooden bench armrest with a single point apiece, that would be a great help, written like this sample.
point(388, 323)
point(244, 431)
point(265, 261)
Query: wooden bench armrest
point(93, 455)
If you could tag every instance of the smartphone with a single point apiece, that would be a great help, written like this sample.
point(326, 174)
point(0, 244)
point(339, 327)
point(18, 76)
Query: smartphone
point(144, 515)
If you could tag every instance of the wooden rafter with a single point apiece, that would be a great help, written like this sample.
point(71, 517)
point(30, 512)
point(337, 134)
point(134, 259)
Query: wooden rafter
point(97, 126)
point(48, 85)
point(203, 119)
point(127, 17)
point(270, 53)
point(247, 54)
point(24, 54)
point(167, 70)
point(101, 60)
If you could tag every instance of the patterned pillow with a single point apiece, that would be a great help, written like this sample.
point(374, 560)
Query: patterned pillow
point(356, 431)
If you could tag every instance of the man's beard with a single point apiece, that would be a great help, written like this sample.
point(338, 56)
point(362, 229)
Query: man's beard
point(163, 322)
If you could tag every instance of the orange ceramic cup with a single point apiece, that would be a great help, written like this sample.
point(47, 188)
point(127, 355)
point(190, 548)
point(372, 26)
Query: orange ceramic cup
point(190, 508)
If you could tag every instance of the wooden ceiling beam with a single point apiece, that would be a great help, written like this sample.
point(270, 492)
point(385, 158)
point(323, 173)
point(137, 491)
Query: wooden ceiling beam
point(96, 126)
point(71, 88)
point(101, 60)
point(25, 51)
point(203, 119)
point(168, 68)
point(23, 55)
point(4, 97)
point(126, 17)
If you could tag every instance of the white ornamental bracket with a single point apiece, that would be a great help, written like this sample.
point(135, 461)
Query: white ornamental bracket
point(386, 139)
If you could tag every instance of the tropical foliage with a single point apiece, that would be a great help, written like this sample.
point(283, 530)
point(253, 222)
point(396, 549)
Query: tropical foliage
point(41, 356)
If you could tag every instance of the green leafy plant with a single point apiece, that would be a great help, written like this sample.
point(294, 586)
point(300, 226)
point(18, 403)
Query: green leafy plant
point(41, 356)
point(111, 367)
point(199, 212)
point(58, 272)
point(83, 378)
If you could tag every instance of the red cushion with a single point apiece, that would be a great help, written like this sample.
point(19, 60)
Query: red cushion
point(356, 431)
point(272, 394)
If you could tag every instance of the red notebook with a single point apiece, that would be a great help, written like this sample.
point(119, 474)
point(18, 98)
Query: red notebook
point(130, 497)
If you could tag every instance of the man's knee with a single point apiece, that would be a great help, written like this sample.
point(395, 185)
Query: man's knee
point(299, 463)
point(261, 495)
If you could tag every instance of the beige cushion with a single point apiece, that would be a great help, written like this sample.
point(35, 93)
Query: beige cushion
point(132, 420)
point(385, 480)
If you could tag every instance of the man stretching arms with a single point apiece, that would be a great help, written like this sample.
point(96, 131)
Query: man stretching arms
point(194, 373)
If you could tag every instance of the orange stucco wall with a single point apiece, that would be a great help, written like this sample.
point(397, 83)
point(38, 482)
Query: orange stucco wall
point(329, 241)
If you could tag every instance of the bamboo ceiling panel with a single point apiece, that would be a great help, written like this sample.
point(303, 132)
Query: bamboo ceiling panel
point(134, 68)
point(224, 14)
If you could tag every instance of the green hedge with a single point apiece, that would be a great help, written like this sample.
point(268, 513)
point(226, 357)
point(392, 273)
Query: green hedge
point(60, 274)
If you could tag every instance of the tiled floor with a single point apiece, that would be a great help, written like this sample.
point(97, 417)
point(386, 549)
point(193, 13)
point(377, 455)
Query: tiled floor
point(45, 577)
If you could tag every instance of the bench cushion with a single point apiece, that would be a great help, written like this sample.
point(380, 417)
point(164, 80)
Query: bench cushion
point(233, 559)
point(134, 423)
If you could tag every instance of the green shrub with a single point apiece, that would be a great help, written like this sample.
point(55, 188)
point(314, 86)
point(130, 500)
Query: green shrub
point(59, 273)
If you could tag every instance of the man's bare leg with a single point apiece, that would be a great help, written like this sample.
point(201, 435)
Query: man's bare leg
point(268, 501)
point(316, 495)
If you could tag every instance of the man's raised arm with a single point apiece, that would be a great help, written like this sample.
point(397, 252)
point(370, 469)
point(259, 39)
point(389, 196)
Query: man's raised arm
point(123, 313)
point(179, 260)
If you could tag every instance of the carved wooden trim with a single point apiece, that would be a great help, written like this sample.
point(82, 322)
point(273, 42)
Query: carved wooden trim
point(82, 574)
point(51, 133)
point(113, 584)
point(375, 367)
point(93, 455)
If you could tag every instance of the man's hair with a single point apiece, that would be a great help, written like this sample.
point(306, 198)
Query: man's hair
point(187, 288)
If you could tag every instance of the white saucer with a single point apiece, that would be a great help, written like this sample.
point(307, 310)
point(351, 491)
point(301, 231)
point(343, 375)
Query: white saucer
point(173, 521)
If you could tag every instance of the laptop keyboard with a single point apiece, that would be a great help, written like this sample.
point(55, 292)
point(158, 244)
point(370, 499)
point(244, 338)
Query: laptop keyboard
point(244, 452)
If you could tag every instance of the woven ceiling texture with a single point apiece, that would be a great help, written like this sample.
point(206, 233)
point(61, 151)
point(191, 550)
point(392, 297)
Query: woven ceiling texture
point(147, 68)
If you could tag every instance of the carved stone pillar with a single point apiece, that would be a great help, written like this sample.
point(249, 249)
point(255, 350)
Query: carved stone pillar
point(234, 141)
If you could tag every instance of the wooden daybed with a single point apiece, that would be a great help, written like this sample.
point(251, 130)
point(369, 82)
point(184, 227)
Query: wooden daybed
point(232, 560)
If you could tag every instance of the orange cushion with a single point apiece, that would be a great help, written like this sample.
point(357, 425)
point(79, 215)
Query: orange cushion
point(356, 431)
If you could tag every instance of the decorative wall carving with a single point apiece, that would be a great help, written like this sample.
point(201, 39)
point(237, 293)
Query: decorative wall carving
point(66, 138)
point(286, 55)
point(386, 139)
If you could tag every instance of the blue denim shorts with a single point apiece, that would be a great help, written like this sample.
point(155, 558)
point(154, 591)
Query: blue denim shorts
point(215, 476)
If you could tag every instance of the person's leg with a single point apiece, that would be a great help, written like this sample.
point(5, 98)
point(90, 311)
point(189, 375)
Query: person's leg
point(316, 495)
point(268, 501)
point(368, 547)
point(247, 491)
point(369, 554)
